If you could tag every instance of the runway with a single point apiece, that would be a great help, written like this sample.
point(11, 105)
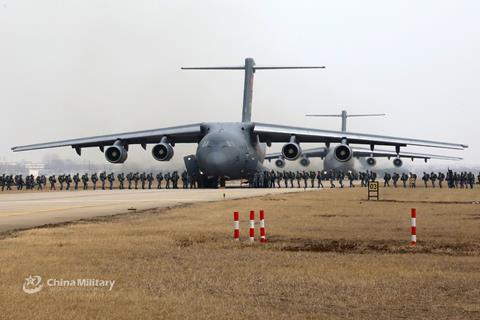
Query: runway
point(33, 209)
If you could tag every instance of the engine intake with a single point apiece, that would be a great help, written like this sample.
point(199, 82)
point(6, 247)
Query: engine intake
point(371, 161)
point(343, 153)
point(291, 151)
point(162, 152)
point(116, 154)
point(305, 162)
point(280, 163)
point(397, 162)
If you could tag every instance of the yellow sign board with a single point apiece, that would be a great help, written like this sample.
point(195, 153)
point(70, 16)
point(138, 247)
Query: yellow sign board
point(373, 190)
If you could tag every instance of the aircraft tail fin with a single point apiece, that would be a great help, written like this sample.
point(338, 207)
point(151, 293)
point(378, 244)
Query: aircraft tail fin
point(344, 115)
point(250, 69)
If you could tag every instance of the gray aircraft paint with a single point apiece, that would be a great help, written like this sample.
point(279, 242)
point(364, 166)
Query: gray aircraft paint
point(229, 150)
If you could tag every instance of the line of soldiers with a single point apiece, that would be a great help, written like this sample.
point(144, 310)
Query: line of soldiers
point(259, 179)
point(461, 179)
point(454, 179)
point(303, 179)
point(67, 181)
point(312, 179)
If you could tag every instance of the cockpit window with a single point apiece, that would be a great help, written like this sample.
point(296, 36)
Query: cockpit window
point(219, 143)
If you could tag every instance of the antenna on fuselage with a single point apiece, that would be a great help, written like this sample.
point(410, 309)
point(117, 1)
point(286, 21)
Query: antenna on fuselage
point(250, 69)
point(344, 115)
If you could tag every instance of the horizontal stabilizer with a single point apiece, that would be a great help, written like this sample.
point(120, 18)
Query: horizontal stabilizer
point(349, 115)
point(254, 68)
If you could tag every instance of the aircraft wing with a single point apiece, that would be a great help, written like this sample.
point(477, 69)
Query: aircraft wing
point(280, 133)
point(363, 152)
point(180, 134)
point(314, 152)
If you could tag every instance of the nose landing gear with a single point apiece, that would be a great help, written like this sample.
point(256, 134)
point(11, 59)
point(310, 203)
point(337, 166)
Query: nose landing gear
point(203, 181)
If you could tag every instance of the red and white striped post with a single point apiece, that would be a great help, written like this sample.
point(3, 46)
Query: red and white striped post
point(252, 226)
point(263, 238)
point(236, 226)
point(414, 227)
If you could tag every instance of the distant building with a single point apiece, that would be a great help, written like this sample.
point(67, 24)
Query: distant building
point(34, 168)
point(22, 168)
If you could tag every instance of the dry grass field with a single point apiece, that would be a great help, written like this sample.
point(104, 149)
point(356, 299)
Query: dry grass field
point(330, 254)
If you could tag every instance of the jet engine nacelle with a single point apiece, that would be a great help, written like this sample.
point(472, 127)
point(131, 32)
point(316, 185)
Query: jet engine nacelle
point(371, 161)
point(116, 154)
point(291, 151)
point(343, 153)
point(162, 151)
point(305, 161)
point(397, 162)
point(280, 163)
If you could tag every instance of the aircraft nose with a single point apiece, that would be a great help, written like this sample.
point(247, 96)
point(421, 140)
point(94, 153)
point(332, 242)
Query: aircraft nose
point(218, 159)
point(218, 162)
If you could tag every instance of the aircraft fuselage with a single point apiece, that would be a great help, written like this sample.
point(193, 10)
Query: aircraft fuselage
point(229, 150)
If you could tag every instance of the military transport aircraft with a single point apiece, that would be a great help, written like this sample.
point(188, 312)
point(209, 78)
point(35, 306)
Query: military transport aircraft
point(232, 150)
point(331, 162)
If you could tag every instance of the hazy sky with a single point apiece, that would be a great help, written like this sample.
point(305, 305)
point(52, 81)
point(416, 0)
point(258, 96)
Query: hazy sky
point(70, 69)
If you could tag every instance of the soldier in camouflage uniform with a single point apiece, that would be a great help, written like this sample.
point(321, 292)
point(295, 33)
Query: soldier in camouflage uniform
point(52, 181)
point(425, 179)
point(61, 179)
point(433, 178)
point(441, 178)
point(312, 176)
point(298, 177)
point(150, 180)
point(159, 180)
point(184, 177)
point(167, 180)
point(68, 181)
point(351, 178)
point(319, 179)
point(175, 178)
point(103, 177)
point(85, 180)
point(279, 178)
point(2, 181)
point(331, 178)
point(121, 179)
point(305, 177)
point(135, 179)
point(76, 180)
point(286, 176)
point(471, 179)
point(39, 182)
point(129, 179)
point(111, 179)
point(395, 178)
point(404, 179)
point(386, 179)
point(341, 177)
point(9, 182)
point(94, 179)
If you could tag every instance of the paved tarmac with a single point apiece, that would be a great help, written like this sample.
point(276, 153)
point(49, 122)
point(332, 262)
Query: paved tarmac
point(25, 210)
